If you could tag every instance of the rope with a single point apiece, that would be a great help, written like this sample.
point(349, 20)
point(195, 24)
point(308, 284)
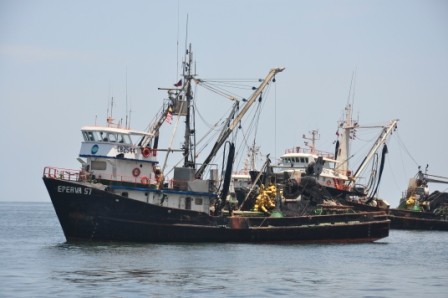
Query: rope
point(406, 149)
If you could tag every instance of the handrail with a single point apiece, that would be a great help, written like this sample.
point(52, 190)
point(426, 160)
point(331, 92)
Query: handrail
point(309, 151)
point(80, 175)
point(61, 173)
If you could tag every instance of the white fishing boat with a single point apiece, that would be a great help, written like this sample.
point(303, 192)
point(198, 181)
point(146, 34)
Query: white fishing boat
point(332, 172)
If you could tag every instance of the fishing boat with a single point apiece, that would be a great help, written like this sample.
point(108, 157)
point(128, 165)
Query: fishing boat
point(302, 160)
point(122, 193)
point(317, 176)
point(418, 209)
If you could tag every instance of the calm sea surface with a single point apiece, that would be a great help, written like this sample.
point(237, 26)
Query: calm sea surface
point(35, 261)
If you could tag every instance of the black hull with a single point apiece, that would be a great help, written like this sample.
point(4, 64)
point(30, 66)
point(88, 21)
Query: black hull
point(409, 220)
point(92, 214)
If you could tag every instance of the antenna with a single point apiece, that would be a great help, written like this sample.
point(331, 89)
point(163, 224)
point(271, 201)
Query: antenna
point(177, 42)
point(111, 106)
point(126, 124)
point(109, 118)
point(107, 110)
point(350, 89)
point(354, 87)
point(186, 36)
point(109, 95)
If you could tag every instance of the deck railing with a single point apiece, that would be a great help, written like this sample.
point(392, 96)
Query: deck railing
point(61, 173)
point(310, 151)
point(80, 175)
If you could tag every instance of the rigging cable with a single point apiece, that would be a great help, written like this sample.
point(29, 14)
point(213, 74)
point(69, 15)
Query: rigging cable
point(406, 149)
point(372, 178)
point(252, 129)
point(253, 124)
point(172, 139)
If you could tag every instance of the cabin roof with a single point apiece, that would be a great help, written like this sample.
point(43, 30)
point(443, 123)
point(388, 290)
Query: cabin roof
point(116, 130)
point(302, 154)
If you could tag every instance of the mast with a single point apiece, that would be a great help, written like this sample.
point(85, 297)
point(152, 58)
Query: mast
point(189, 159)
point(347, 127)
point(178, 105)
point(228, 130)
point(313, 138)
point(348, 130)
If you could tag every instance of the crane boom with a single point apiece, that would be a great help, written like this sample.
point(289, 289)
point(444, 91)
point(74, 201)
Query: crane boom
point(381, 140)
point(225, 134)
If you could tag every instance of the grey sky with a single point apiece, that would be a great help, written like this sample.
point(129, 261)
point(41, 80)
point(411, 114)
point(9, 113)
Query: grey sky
point(61, 61)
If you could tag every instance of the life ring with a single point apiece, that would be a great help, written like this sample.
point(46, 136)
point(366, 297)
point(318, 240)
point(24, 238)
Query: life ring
point(136, 172)
point(338, 184)
point(145, 180)
point(146, 151)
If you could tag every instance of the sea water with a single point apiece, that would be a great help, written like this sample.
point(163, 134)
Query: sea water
point(36, 261)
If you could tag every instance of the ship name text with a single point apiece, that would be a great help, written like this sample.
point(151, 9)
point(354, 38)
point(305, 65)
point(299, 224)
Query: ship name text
point(75, 190)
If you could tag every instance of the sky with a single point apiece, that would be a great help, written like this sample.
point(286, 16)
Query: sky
point(62, 61)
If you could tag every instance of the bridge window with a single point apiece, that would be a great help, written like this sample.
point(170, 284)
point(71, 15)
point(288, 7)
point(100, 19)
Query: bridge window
point(112, 137)
point(103, 137)
point(88, 136)
point(125, 139)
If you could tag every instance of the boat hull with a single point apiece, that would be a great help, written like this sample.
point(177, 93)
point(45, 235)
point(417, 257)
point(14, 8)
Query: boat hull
point(87, 213)
point(407, 219)
point(412, 220)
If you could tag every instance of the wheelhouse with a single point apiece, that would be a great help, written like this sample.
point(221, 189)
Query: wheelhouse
point(102, 134)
